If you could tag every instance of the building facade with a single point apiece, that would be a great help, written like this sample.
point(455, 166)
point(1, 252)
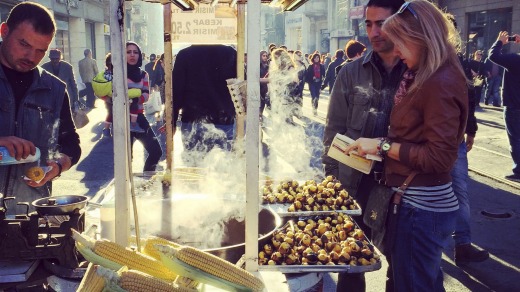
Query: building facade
point(480, 21)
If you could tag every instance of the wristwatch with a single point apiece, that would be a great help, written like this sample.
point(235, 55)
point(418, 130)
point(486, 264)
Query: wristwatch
point(60, 168)
point(385, 146)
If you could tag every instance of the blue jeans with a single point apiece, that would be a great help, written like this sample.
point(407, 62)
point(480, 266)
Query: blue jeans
point(512, 122)
point(460, 177)
point(417, 253)
point(315, 89)
point(493, 90)
point(199, 138)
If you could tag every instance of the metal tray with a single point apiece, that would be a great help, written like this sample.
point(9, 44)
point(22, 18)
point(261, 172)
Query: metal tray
point(281, 210)
point(289, 269)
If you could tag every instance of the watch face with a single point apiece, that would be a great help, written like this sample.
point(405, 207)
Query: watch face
point(386, 146)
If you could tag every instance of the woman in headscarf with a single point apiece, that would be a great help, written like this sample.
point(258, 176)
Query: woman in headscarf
point(139, 127)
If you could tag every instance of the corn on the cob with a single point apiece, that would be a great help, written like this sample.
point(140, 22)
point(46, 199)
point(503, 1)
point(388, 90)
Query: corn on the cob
point(136, 281)
point(91, 257)
point(125, 257)
point(91, 282)
point(210, 265)
point(150, 249)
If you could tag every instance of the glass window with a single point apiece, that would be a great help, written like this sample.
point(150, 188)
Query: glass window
point(483, 28)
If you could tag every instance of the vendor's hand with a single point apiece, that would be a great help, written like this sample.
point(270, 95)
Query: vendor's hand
point(469, 142)
point(49, 176)
point(364, 146)
point(18, 148)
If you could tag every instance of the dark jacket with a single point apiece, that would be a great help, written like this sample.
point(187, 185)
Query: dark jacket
point(66, 74)
point(44, 118)
point(199, 84)
point(330, 74)
point(357, 88)
point(430, 125)
point(511, 81)
point(309, 74)
point(471, 126)
point(149, 69)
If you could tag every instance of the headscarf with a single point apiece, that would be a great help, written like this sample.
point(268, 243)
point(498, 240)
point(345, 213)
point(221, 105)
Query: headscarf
point(134, 71)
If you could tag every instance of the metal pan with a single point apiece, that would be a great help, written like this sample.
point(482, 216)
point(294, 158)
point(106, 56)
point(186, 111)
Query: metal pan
point(59, 205)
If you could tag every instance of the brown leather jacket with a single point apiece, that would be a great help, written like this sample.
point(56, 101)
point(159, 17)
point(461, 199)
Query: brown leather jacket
point(430, 126)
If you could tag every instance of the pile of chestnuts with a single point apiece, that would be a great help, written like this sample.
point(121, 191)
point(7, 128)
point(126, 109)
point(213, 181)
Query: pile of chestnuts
point(327, 195)
point(324, 240)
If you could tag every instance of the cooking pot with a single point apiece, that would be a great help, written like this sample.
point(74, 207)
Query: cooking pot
point(59, 205)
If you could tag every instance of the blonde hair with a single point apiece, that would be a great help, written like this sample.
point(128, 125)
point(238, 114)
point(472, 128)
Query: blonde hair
point(429, 28)
point(281, 60)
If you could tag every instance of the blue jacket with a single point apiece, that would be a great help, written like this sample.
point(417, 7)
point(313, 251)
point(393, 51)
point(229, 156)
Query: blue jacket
point(37, 120)
point(510, 83)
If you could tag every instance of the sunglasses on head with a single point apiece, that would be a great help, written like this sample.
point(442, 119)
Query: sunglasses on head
point(406, 7)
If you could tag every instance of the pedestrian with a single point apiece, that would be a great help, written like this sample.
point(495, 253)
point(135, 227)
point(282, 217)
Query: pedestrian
point(353, 50)
point(139, 126)
point(157, 78)
point(64, 71)
point(330, 74)
point(314, 77)
point(149, 66)
point(284, 90)
point(102, 86)
point(465, 252)
point(494, 75)
point(478, 75)
point(87, 71)
point(301, 66)
point(264, 74)
point(37, 111)
point(200, 90)
point(510, 95)
point(427, 125)
point(360, 106)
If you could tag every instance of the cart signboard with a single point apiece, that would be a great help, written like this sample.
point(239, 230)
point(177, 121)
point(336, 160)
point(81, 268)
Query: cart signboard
point(205, 25)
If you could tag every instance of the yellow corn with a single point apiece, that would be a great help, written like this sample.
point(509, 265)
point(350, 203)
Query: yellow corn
point(212, 265)
point(150, 249)
point(136, 281)
point(126, 257)
point(91, 282)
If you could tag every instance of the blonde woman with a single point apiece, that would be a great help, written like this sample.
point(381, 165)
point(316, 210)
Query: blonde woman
point(426, 127)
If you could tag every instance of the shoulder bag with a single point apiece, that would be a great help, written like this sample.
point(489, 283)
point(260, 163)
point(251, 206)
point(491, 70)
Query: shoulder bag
point(381, 213)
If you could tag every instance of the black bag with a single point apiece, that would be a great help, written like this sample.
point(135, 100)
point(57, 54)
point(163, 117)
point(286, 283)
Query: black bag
point(381, 213)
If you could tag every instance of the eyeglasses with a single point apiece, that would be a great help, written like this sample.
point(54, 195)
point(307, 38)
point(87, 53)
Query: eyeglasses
point(406, 6)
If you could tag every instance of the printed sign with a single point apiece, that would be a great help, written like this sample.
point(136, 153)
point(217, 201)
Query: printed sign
point(205, 25)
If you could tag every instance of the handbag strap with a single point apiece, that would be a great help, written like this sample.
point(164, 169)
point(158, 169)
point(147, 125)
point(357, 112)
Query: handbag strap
point(400, 190)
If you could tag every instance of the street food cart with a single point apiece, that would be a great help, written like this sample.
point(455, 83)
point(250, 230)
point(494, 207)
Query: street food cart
point(266, 221)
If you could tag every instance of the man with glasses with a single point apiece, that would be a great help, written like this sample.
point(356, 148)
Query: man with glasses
point(360, 106)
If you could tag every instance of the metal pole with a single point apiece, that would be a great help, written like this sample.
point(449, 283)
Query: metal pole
point(122, 165)
point(168, 106)
point(241, 25)
point(253, 135)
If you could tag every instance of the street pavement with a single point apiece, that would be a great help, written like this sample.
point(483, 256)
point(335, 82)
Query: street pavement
point(495, 203)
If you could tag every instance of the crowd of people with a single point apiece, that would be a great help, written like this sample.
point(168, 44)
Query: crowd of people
point(386, 98)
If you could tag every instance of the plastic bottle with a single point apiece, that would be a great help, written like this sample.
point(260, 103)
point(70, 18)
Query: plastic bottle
point(108, 219)
point(7, 159)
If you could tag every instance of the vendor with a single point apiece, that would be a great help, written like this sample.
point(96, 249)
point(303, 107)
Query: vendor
point(35, 105)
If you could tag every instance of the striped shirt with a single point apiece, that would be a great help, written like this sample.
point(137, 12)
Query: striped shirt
point(434, 198)
point(144, 86)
